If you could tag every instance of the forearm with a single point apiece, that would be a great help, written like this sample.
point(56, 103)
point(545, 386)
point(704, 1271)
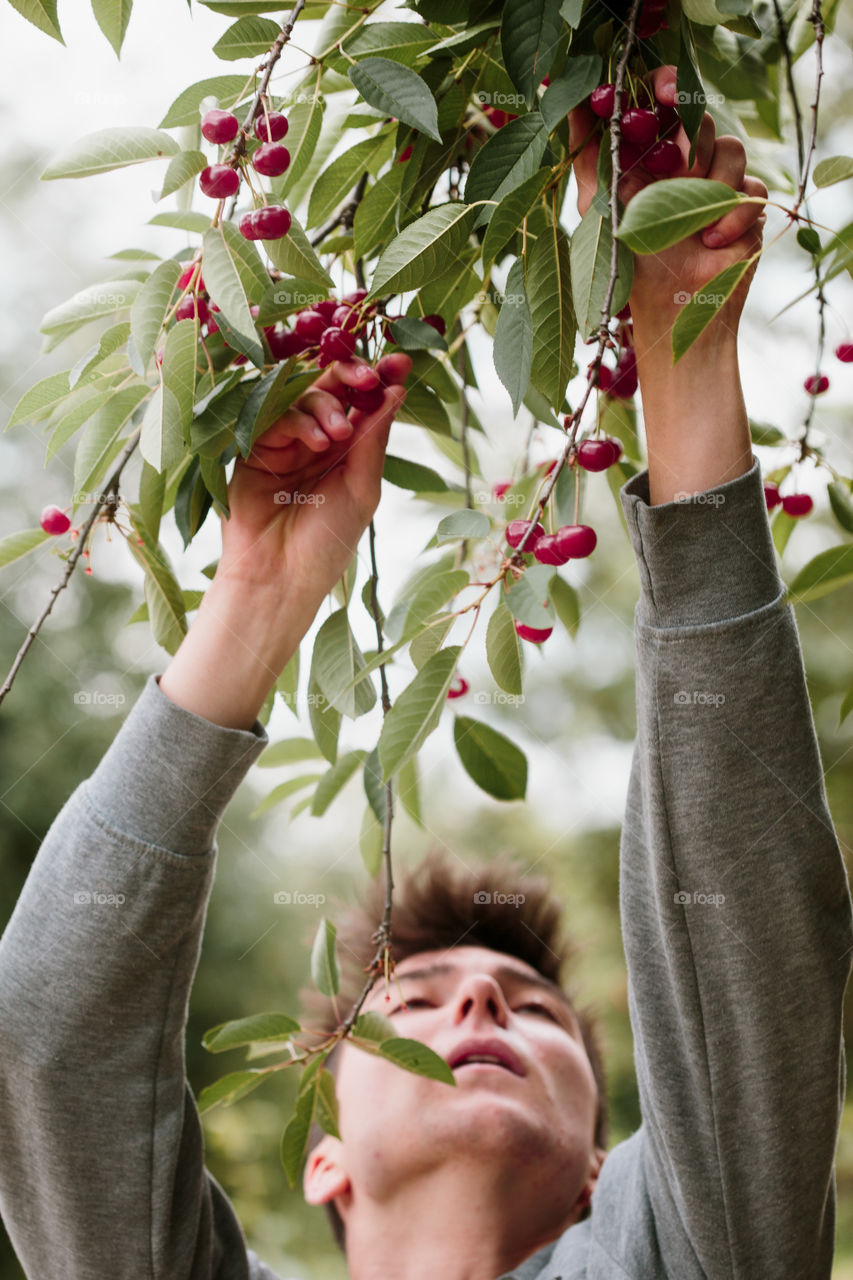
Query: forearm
point(697, 430)
point(235, 650)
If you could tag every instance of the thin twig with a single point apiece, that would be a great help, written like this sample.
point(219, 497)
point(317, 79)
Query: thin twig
point(816, 19)
point(345, 215)
point(792, 92)
point(109, 499)
point(466, 456)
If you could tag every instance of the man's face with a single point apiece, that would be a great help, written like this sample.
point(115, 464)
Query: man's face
point(396, 1125)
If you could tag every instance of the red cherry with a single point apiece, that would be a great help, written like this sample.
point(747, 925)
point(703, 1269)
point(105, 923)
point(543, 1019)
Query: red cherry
point(640, 127)
point(625, 313)
point(272, 221)
point(663, 158)
point(669, 121)
point(54, 520)
point(624, 382)
point(844, 352)
point(186, 276)
point(816, 384)
point(596, 455)
point(311, 325)
point(272, 127)
point(602, 99)
point(285, 344)
point(576, 540)
point(604, 381)
point(458, 688)
point(535, 635)
point(650, 21)
point(345, 317)
point(386, 328)
point(498, 490)
point(356, 296)
point(549, 550)
point(271, 159)
point(219, 126)
point(772, 496)
point(190, 307)
point(516, 529)
point(437, 323)
point(219, 181)
point(248, 227)
point(327, 307)
point(629, 156)
point(367, 399)
point(405, 153)
point(335, 344)
point(797, 504)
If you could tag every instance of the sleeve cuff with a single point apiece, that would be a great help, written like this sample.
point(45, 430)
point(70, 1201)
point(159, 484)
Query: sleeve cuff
point(707, 559)
point(169, 775)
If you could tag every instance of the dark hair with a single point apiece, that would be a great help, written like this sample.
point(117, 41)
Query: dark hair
point(437, 903)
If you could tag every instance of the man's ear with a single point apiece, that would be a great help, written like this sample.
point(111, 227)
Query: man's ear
point(325, 1176)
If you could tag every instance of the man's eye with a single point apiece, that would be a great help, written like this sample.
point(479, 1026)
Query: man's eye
point(411, 1004)
point(540, 1008)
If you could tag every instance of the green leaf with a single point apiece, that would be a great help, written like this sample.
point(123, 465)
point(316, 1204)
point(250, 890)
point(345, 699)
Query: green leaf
point(808, 239)
point(165, 428)
point(70, 423)
point(111, 340)
point(165, 599)
point(288, 751)
point(430, 640)
point(294, 255)
point(396, 90)
point(503, 651)
point(335, 779)
point(112, 16)
point(182, 220)
point(248, 38)
point(833, 169)
point(510, 157)
point(665, 213)
point(527, 599)
point(370, 840)
point(463, 524)
point(547, 283)
point(842, 504)
point(846, 707)
point(231, 1087)
point(304, 122)
point(827, 572)
point(416, 711)
point(324, 964)
point(284, 790)
point(42, 14)
point(150, 306)
point(582, 74)
point(412, 334)
point(401, 41)
point(511, 212)
point(763, 433)
point(530, 31)
point(41, 399)
point(423, 248)
point(412, 475)
point(377, 214)
point(108, 149)
point(494, 763)
point(417, 1057)
point(294, 1140)
point(338, 179)
point(91, 303)
point(374, 1026)
point(185, 109)
point(565, 601)
point(15, 545)
point(265, 402)
point(704, 305)
point(97, 446)
point(417, 606)
point(374, 788)
point(328, 1117)
point(336, 663)
point(225, 286)
point(325, 719)
point(512, 350)
point(256, 1029)
point(182, 167)
point(690, 95)
point(591, 249)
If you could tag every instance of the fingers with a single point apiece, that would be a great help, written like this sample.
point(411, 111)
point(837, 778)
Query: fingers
point(341, 374)
point(738, 221)
point(274, 446)
point(582, 123)
point(366, 454)
point(328, 411)
point(394, 368)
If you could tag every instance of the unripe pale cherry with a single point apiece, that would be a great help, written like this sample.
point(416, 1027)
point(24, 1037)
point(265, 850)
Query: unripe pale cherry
point(271, 159)
point(576, 541)
point(797, 504)
point(54, 520)
point(366, 399)
point(516, 529)
point(772, 496)
point(844, 352)
point(536, 635)
point(219, 126)
point(271, 127)
point(219, 181)
point(458, 687)
point(816, 384)
point(311, 325)
point(663, 158)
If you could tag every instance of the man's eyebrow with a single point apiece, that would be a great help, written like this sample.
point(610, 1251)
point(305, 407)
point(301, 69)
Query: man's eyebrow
point(504, 973)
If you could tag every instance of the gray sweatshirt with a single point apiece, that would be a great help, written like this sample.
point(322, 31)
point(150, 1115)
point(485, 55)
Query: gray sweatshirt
point(736, 918)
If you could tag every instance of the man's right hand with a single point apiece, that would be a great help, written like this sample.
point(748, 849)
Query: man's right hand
point(302, 499)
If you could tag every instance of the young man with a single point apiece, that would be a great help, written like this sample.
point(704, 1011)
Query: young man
point(735, 1006)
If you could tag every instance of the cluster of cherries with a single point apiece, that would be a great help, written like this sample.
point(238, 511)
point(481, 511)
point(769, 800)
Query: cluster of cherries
point(793, 504)
point(270, 221)
point(647, 132)
point(816, 383)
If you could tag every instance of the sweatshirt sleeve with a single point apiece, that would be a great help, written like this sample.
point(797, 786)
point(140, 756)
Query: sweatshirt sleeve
point(736, 912)
point(103, 1165)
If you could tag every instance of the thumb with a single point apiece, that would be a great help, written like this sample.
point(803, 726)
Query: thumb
point(366, 454)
